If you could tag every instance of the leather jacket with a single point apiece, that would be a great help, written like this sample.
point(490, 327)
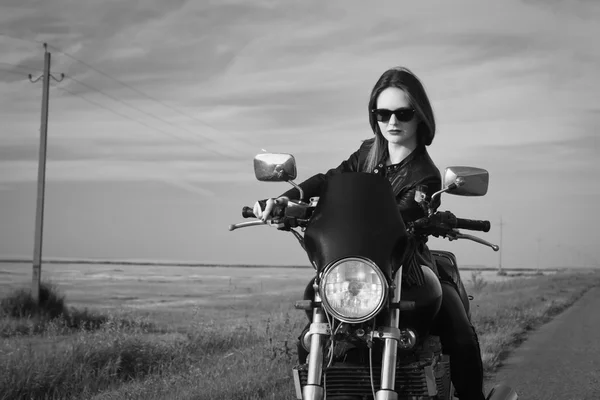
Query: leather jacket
point(416, 169)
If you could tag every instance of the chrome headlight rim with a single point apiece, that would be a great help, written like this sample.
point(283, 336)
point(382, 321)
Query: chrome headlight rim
point(357, 320)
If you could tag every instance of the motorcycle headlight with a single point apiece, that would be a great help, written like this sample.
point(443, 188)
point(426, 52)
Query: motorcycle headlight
point(353, 289)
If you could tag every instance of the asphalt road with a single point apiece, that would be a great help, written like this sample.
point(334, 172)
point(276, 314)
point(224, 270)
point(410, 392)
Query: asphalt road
point(561, 360)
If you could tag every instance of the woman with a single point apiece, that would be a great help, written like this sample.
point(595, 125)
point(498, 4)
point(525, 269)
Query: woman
point(402, 120)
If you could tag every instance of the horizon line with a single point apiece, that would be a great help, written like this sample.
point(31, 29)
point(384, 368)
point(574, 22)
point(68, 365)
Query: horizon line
point(174, 263)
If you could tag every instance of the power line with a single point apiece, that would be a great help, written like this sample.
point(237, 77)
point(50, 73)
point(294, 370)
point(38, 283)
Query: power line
point(130, 105)
point(133, 88)
point(126, 116)
point(136, 90)
point(109, 109)
point(24, 40)
point(227, 143)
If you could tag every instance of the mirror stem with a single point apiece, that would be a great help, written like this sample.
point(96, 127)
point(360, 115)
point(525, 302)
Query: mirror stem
point(434, 197)
point(299, 189)
point(459, 182)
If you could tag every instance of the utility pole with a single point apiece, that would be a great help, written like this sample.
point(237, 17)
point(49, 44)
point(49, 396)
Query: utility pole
point(539, 245)
point(39, 216)
point(501, 248)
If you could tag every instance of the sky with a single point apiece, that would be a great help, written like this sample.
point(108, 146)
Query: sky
point(164, 105)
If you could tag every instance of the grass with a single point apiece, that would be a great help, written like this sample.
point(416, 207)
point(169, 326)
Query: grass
point(21, 316)
point(236, 343)
point(223, 350)
point(505, 312)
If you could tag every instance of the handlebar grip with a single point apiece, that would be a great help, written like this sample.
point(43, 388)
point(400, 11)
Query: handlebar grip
point(248, 212)
point(420, 223)
point(473, 224)
point(278, 210)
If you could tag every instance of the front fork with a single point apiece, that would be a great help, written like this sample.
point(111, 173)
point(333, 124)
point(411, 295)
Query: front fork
point(390, 346)
point(313, 390)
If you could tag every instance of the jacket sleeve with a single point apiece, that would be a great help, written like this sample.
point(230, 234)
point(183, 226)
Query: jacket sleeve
point(418, 253)
point(410, 210)
point(312, 186)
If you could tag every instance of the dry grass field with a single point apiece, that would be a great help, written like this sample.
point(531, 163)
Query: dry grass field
point(166, 332)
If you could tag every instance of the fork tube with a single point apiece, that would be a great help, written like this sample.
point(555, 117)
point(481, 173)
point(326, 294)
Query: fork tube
point(390, 349)
point(313, 390)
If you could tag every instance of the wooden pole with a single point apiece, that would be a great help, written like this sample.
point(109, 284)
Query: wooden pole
point(39, 215)
point(41, 181)
point(501, 246)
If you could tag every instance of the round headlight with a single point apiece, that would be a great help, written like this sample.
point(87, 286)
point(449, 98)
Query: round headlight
point(353, 289)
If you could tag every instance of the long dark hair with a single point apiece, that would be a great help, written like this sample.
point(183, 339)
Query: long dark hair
point(405, 80)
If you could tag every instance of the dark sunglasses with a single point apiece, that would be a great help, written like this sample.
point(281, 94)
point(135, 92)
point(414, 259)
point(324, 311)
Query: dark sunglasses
point(402, 114)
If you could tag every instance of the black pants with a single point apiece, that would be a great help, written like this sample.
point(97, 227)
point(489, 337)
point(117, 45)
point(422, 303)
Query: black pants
point(459, 341)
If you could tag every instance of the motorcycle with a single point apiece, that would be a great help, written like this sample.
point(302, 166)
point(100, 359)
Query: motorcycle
point(370, 337)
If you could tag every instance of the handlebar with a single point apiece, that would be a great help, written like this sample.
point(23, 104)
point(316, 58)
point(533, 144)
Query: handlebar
point(248, 212)
point(444, 224)
point(443, 221)
point(440, 224)
point(277, 212)
point(473, 225)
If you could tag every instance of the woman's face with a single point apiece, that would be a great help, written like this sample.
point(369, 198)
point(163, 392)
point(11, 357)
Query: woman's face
point(402, 133)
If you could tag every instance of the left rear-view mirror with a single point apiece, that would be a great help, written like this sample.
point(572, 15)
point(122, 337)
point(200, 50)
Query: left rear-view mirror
point(275, 167)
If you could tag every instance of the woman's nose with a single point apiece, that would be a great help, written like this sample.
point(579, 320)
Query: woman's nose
point(393, 120)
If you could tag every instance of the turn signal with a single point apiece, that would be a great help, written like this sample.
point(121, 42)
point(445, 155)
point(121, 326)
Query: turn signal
point(408, 339)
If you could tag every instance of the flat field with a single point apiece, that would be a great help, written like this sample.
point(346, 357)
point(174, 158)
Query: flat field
point(217, 332)
point(169, 293)
point(174, 289)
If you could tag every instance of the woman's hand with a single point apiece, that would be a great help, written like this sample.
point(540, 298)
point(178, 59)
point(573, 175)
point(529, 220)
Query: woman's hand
point(266, 213)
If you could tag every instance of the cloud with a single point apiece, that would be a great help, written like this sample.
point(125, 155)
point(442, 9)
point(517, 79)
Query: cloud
point(193, 90)
point(90, 170)
point(229, 78)
point(189, 187)
point(586, 10)
point(18, 151)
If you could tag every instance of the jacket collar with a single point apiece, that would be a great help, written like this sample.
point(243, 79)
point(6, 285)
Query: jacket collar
point(418, 151)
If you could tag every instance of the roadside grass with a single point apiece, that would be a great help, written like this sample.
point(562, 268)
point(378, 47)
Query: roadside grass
point(21, 316)
point(246, 354)
point(504, 312)
point(125, 356)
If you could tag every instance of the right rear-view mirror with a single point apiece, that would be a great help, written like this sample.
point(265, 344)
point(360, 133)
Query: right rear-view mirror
point(466, 181)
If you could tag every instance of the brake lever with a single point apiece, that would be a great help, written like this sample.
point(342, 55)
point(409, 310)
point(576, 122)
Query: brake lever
point(459, 235)
point(233, 227)
point(277, 223)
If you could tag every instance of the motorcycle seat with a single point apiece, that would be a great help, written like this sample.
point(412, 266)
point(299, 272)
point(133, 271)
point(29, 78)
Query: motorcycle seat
point(447, 266)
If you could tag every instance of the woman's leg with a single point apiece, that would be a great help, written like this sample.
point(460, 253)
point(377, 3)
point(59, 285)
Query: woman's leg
point(460, 342)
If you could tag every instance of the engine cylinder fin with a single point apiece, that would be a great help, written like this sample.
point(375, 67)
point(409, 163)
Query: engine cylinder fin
point(354, 380)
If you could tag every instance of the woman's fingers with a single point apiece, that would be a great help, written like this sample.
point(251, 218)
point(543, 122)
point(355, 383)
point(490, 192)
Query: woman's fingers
point(269, 204)
point(268, 208)
point(257, 210)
